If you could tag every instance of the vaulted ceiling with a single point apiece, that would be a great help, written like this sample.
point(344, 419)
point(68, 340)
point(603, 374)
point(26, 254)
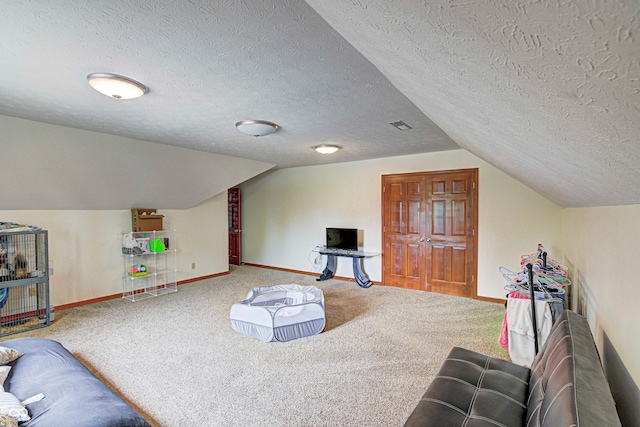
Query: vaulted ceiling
point(548, 92)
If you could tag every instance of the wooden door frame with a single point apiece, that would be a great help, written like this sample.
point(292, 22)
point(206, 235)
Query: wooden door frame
point(238, 234)
point(473, 239)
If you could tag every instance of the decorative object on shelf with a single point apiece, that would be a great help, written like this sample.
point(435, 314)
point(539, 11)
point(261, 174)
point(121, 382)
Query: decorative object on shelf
point(327, 148)
point(156, 245)
point(137, 270)
point(130, 245)
point(116, 86)
point(257, 127)
point(146, 220)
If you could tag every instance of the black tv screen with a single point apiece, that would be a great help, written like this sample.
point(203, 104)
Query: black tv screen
point(342, 238)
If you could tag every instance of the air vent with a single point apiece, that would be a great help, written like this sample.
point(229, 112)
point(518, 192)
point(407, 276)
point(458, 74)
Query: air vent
point(401, 125)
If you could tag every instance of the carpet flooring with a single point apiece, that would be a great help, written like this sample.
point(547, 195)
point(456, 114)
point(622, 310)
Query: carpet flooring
point(176, 359)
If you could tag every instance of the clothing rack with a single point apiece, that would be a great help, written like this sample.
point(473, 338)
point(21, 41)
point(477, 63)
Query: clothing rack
point(533, 306)
point(540, 279)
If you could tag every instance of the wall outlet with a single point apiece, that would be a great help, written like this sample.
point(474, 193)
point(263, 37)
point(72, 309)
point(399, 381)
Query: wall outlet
point(193, 265)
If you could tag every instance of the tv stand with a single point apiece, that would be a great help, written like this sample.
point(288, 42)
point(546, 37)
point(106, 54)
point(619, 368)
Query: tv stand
point(361, 277)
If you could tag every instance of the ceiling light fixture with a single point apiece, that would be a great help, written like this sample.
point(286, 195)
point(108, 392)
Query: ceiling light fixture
point(327, 148)
point(116, 86)
point(257, 127)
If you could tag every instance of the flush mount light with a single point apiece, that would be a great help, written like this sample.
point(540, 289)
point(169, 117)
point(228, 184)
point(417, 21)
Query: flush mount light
point(257, 127)
point(326, 148)
point(115, 86)
point(401, 125)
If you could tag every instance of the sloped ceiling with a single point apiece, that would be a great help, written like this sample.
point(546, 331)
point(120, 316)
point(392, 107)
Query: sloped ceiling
point(547, 91)
point(208, 64)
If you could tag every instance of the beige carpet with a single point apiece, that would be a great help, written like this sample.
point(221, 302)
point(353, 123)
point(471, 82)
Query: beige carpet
point(177, 360)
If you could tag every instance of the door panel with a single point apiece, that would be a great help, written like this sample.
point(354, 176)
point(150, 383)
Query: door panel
point(414, 218)
point(414, 252)
point(438, 266)
point(404, 226)
point(438, 217)
point(429, 231)
point(459, 217)
point(395, 258)
point(451, 251)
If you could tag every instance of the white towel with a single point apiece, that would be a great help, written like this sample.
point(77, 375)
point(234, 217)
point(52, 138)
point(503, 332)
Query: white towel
point(520, 326)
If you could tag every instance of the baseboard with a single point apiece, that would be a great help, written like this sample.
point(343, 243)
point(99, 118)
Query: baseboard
point(197, 279)
point(224, 273)
point(308, 273)
point(489, 299)
point(119, 295)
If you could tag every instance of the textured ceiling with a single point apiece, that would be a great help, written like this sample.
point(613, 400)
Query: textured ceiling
point(547, 91)
point(208, 64)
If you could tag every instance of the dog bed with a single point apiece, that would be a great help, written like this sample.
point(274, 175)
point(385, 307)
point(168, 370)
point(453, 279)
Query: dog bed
point(279, 313)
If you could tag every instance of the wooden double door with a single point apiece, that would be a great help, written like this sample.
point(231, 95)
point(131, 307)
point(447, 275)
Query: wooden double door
point(429, 231)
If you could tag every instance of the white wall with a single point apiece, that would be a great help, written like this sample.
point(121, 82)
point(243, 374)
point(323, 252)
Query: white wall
point(85, 246)
point(202, 235)
point(49, 167)
point(285, 213)
point(602, 246)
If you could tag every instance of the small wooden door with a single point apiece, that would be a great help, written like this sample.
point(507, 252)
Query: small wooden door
point(429, 231)
point(235, 250)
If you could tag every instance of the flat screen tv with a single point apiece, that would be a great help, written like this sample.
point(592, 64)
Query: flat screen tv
point(342, 238)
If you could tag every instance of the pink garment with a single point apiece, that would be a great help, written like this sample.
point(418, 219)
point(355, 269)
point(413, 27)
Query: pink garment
point(503, 339)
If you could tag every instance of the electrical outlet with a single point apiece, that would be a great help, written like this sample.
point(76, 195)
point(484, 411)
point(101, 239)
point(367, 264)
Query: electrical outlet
point(32, 291)
point(193, 265)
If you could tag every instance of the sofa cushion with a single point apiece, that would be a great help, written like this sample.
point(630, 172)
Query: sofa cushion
point(10, 405)
point(4, 373)
point(568, 386)
point(8, 355)
point(8, 421)
point(473, 390)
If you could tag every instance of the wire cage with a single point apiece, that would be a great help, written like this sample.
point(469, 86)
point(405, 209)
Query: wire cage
point(24, 281)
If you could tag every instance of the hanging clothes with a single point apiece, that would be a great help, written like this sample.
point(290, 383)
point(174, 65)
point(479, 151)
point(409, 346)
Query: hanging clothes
point(503, 340)
point(520, 328)
point(543, 279)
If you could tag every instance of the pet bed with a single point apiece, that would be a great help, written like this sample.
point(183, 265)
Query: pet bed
point(279, 313)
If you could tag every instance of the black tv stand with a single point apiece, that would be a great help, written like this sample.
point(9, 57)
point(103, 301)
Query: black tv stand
point(329, 270)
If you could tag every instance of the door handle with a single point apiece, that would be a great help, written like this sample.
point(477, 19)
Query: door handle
point(428, 239)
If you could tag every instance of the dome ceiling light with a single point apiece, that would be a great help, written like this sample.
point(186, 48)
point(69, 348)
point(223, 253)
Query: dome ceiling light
point(257, 127)
point(327, 148)
point(116, 86)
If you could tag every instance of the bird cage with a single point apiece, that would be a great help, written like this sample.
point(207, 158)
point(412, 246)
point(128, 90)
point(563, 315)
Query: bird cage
point(24, 280)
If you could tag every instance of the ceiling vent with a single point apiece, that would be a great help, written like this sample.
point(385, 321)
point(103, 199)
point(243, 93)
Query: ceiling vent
point(401, 125)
